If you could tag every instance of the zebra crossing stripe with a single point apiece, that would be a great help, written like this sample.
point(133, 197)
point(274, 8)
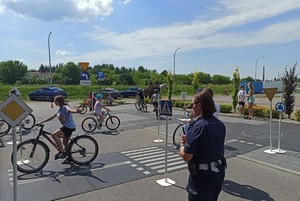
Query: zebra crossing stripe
point(159, 158)
point(147, 154)
point(147, 151)
point(130, 151)
point(172, 168)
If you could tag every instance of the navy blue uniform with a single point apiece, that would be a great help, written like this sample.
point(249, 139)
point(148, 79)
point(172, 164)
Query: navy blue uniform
point(205, 140)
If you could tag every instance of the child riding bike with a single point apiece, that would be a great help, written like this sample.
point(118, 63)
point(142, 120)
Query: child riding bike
point(68, 125)
point(98, 110)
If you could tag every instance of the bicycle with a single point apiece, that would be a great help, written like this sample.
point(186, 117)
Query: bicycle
point(179, 129)
point(33, 154)
point(26, 124)
point(141, 106)
point(87, 103)
point(89, 124)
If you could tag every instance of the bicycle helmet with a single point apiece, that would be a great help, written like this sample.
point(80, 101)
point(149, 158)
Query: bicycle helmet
point(156, 91)
point(99, 96)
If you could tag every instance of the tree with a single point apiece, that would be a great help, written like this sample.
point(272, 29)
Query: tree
point(170, 86)
point(12, 71)
point(290, 83)
point(220, 79)
point(71, 73)
point(236, 82)
point(195, 81)
point(204, 78)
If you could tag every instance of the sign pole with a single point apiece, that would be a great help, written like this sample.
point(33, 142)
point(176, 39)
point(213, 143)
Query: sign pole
point(15, 163)
point(280, 108)
point(166, 109)
point(158, 108)
point(270, 92)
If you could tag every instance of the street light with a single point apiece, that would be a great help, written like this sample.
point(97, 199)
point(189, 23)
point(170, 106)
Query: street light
point(256, 66)
point(174, 67)
point(49, 57)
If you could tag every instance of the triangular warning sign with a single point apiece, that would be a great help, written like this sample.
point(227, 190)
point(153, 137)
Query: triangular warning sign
point(166, 109)
point(270, 92)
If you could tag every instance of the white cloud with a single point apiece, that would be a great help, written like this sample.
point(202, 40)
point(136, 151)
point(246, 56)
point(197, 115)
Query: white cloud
point(214, 33)
point(50, 10)
point(63, 53)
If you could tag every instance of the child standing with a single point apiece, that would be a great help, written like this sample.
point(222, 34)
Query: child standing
point(241, 100)
point(98, 110)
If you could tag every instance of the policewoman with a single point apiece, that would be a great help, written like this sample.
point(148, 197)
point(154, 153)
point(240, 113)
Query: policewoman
point(202, 147)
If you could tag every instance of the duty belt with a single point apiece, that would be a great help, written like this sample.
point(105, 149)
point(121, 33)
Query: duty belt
point(211, 166)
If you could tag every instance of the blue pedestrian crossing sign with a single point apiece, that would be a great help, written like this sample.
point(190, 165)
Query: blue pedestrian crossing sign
point(166, 108)
point(280, 107)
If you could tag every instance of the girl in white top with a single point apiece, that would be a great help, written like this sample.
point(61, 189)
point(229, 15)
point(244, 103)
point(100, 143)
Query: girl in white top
point(98, 110)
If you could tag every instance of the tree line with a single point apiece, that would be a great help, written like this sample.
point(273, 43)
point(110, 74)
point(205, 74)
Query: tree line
point(12, 72)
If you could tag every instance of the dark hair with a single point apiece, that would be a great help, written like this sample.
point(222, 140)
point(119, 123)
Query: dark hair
point(210, 91)
point(206, 102)
point(60, 100)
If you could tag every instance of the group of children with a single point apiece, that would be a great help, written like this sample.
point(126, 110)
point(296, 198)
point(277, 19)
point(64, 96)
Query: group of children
point(242, 96)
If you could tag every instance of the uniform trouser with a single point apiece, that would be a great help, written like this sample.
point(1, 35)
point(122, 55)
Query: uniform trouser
point(206, 185)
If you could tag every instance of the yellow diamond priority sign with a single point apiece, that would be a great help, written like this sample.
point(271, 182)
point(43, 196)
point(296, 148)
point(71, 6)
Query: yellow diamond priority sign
point(270, 92)
point(13, 110)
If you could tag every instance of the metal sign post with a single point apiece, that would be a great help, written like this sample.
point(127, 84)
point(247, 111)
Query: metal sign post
point(270, 92)
point(13, 110)
point(166, 109)
point(158, 108)
point(280, 107)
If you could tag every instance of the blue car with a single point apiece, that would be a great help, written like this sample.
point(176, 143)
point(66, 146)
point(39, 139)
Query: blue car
point(47, 93)
point(131, 92)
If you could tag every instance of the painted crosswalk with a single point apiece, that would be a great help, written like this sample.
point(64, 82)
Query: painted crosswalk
point(154, 158)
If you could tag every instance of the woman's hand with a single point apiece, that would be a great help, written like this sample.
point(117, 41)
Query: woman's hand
point(182, 139)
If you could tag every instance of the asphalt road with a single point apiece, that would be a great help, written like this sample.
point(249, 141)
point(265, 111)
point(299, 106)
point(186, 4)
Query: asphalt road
point(123, 170)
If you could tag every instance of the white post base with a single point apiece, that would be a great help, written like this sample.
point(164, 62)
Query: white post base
point(10, 143)
point(158, 140)
point(268, 151)
point(280, 151)
point(165, 182)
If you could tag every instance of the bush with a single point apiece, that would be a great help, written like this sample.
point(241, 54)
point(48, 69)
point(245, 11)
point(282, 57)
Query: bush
point(297, 115)
point(225, 108)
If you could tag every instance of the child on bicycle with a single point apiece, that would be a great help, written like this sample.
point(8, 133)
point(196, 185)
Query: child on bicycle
point(64, 115)
point(140, 96)
point(98, 110)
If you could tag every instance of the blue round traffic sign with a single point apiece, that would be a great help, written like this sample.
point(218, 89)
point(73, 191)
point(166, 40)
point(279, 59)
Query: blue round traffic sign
point(280, 107)
point(84, 75)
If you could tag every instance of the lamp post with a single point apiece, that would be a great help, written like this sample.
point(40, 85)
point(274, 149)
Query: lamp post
point(49, 57)
point(174, 67)
point(256, 67)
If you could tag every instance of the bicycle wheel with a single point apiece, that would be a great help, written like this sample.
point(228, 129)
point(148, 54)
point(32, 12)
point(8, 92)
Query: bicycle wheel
point(28, 162)
point(89, 124)
point(145, 109)
point(138, 106)
point(4, 127)
point(83, 149)
point(83, 109)
point(28, 122)
point(112, 122)
point(176, 135)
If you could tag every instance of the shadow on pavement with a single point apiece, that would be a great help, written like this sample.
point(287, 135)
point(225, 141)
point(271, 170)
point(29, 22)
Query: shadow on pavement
point(245, 191)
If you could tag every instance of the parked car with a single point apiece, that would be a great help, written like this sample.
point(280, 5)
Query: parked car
point(129, 92)
point(47, 93)
point(114, 93)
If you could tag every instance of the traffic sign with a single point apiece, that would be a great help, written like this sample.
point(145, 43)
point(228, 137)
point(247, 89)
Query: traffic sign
point(100, 75)
point(280, 107)
point(84, 65)
point(270, 92)
point(166, 108)
point(85, 82)
point(13, 110)
point(84, 75)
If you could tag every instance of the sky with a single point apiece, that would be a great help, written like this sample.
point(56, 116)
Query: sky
point(214, 36)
